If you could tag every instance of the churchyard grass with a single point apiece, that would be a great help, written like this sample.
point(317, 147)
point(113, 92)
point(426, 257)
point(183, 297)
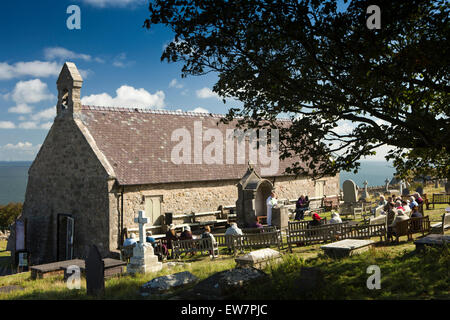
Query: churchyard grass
point(405, 274)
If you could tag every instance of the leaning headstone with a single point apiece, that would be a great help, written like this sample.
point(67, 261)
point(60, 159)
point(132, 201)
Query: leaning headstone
point(405, 192)
point(350, 192)
point(386, 185)
point(447, 187)
point(143, 259)
point(224, 284)
point(365, 193)
point(419, 189)
point(258, 259)
point(95, 270)
point(167, 283)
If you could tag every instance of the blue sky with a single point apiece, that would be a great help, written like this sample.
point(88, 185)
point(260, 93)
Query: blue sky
point(118, 58)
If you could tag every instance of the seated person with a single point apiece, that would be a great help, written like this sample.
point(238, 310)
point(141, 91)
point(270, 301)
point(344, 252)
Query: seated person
point(186, 234)
point(418, 198)
point(405, 205)
point(130, 241)
point(382, 201)
point(335, 218)
point(316, 220)
point(150, 239)
point(207, 233)
point(398, 205)
point(412, 202)
point(233, 230)
point(401, 216)
point(415, 212)
point(301, 206)
point(171, 235)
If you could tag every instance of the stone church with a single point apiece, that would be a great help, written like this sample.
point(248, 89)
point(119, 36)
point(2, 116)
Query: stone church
point(99, 165)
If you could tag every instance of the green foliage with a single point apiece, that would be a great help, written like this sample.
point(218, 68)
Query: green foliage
point(408, 275)
point(9, 213)
point(324, 68)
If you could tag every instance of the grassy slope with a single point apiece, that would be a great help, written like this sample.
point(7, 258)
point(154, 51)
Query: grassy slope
point(405, 274)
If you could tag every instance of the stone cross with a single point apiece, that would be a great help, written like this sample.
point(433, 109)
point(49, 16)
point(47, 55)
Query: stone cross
point(365, 194)
point(401, 183)
point(141, 220)
point(386, 184)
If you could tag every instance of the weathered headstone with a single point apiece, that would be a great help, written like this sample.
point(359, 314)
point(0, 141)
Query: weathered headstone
point(169, 282)
point(280, 217)
point(347, 247)
point(143, 259)
point(258, 259)
point(365, 193)
point(419, 189)
point(405, 192)
point(447, 187)
point(400, 186)
point(350, 192)
point(95, 279)
point(386, 185)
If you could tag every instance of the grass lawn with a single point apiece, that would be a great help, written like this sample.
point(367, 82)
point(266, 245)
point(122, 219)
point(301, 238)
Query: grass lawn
point(405, 274)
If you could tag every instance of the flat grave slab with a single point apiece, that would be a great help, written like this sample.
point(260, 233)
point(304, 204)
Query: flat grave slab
point(434, 240)
point(346, 248)
point(258, 258)
point(112, 267)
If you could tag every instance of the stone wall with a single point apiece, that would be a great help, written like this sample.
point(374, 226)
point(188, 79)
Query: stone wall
point(182, 198)
point(66, 177)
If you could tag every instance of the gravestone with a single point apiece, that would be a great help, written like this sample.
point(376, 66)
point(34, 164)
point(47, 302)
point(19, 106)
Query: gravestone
point(169, 282)
point(365, 193)
point(401, 185)
point(386, 185)
point(280, 217)
point(143, 259)
point(405, 192)
point(419, 189)
point(95, 268)
point(350, 191)
point(347, 247)
point(258, 259)
point(447, 187)
point(433, 240)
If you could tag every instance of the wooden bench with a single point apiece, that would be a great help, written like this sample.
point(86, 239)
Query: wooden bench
point(364, 231)
point(297, 235)
point(205, 245)
point(411, 226)
point(254, 241)
point(331, 203)
point(440, 227)
point(439, 198)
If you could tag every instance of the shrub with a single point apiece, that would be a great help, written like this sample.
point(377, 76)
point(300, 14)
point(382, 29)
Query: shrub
point(9, 213)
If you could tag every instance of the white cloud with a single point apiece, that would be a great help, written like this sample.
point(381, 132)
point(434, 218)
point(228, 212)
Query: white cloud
point(127, 97)
point(32, 68)
point(113, 3)
point(175, 84)
point(199, 110)
point(206, 93)
point(46, 114)
point(46, 125)
point(31, 91)
point(28, 125)
point(7, 125)
point(21, 151)
point(21, 108)
point(120, 61)
point(63, 53)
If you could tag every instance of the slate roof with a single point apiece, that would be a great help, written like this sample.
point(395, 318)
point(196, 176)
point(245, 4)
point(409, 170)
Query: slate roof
point(137, 144)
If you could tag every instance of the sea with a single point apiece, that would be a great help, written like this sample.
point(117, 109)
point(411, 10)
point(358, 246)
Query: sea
point(14, 177)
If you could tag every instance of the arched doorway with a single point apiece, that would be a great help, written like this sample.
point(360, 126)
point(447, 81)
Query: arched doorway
point(262, 193)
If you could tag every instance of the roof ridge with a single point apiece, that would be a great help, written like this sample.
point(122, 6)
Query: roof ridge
point(153, 111)
point(160, 111)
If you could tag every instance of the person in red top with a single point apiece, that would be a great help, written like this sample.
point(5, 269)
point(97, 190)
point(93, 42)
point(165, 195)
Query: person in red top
point(316, 221)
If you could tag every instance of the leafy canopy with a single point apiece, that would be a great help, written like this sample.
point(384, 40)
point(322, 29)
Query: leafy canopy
point(323, 68)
